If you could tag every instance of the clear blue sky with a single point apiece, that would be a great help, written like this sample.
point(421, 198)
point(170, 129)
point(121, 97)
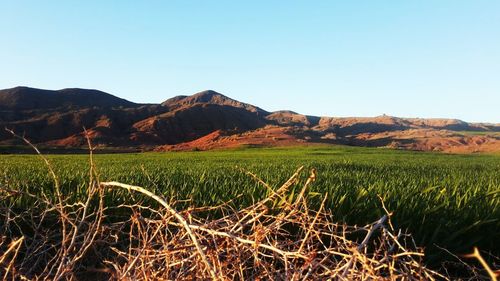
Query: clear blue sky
point(337, 58)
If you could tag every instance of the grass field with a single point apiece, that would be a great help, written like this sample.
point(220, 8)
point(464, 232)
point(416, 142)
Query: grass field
point(447, 200)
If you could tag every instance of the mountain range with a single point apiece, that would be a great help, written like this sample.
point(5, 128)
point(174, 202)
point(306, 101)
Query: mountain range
point(210, 120)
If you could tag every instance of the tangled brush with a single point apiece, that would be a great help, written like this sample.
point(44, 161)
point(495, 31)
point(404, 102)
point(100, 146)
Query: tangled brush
point(277, 238)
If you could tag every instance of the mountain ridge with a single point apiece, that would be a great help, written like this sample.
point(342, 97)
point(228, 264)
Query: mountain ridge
point(27, 98)
point(208, 120)
point(209, 97)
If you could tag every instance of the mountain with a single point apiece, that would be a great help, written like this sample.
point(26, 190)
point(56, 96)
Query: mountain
point(58, 117)
point(25, 98)
point(209, 97)
point(191, 122)
point(210, 120)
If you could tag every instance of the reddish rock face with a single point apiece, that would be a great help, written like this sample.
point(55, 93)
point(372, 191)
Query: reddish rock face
point(209, 120)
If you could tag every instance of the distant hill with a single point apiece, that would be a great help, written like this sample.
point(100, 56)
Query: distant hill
point(25, 98)
point(209, 97)
point(208, 120)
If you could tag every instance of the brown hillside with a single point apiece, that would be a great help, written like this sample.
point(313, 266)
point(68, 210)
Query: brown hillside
point(268, 136)
point(25, 98)
point(209, 120)
point(191, 122)
point(55, 126)
point(209, 97)
point(290, 118)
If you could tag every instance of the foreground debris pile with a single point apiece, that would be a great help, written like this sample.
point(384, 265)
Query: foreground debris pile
point(277, 238)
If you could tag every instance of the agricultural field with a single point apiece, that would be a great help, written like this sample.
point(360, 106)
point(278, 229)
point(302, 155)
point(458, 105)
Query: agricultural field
point(448, 201)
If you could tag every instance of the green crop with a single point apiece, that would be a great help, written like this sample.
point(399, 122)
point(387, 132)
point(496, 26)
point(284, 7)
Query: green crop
point(451, 201)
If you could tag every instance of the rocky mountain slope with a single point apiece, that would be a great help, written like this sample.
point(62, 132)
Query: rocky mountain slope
point(209, 120)
point(25, 98)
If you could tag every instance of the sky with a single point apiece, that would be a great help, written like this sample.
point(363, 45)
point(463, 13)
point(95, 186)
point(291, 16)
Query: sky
point(412, 58)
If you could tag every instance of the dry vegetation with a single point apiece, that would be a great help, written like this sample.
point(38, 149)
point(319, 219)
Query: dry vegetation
point(278, 238)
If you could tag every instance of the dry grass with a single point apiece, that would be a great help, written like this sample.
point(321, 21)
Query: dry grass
point(277, 238)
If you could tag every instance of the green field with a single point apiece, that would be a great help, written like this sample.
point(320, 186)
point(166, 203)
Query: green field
point(446, 200)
